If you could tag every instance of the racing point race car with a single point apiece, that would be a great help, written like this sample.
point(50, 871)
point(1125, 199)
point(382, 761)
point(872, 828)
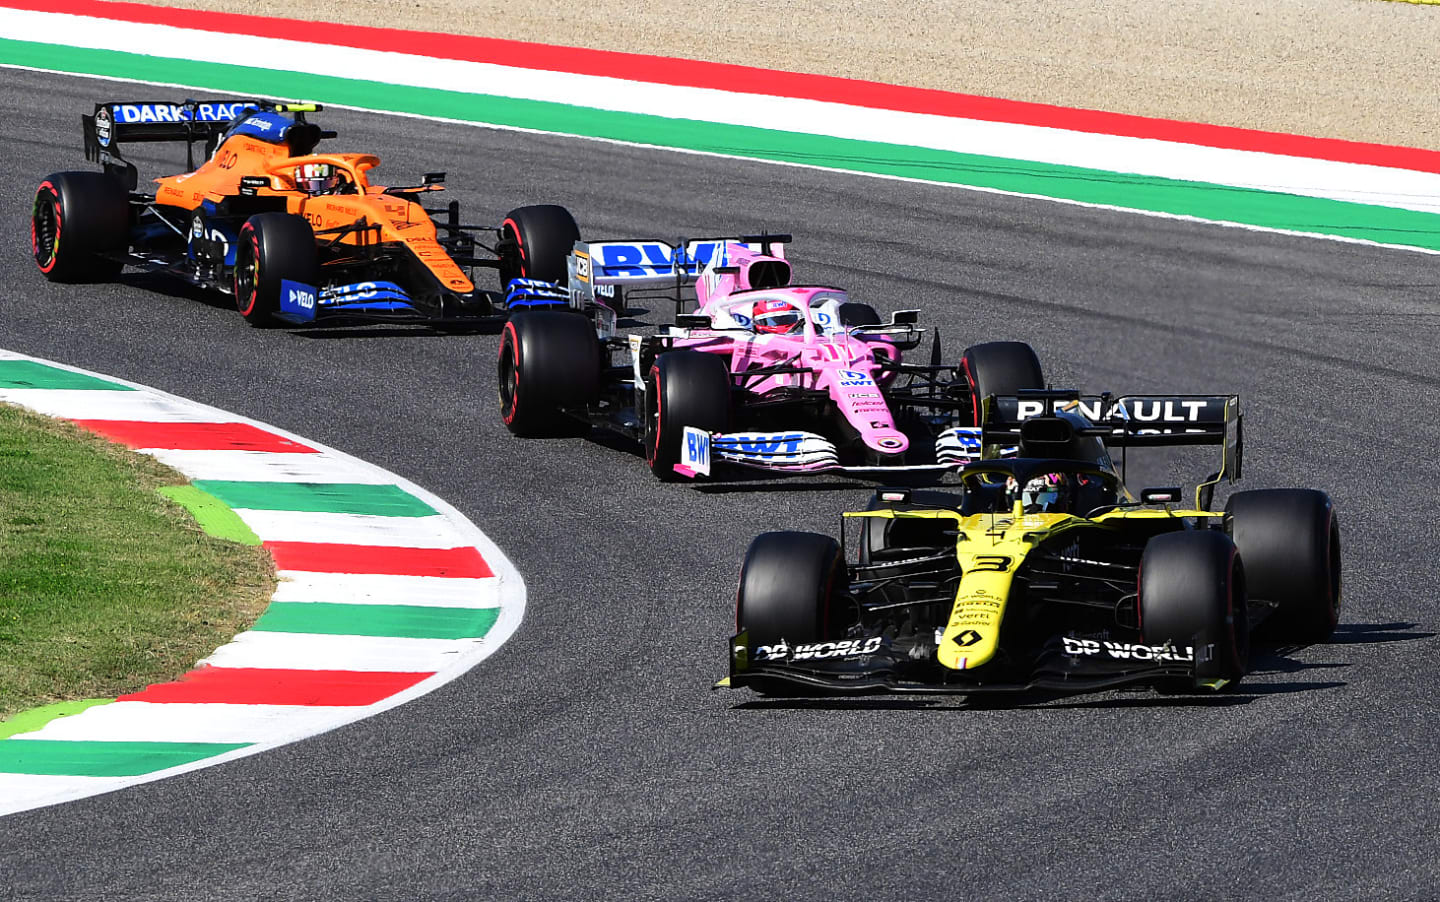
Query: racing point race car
point(295, 236)
point(1044, 572)
point(763, 373)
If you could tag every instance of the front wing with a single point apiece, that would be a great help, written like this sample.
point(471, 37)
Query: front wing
point(877, 665)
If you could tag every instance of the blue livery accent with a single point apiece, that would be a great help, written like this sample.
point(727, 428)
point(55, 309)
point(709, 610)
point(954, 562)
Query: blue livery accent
point(651, 259)
point(525, 294)
point(269, 127)
point(779, 444)
point(366, 296)
point(297, 301)
point(146, 113)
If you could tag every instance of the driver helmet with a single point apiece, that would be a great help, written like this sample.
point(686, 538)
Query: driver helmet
point(1048, 494)
point(776, 317)
point(316, 178)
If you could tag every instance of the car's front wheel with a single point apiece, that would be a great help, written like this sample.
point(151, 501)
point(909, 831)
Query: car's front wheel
point(789, 595)
point(1192, 595)
point(273, 248)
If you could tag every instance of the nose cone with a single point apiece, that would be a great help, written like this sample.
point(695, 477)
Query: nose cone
point(886, 441)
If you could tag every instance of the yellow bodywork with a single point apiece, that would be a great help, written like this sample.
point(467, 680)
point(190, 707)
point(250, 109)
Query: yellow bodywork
point(990, 549)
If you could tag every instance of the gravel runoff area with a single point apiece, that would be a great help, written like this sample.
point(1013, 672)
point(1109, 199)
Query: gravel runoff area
point(1358, 69)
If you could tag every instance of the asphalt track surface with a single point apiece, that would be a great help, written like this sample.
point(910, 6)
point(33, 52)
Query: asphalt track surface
point(589, 758)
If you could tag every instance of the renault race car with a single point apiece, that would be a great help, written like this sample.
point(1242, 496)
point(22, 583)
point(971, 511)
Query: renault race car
point(294, 235)
point(1045, 572)
point(763, 373)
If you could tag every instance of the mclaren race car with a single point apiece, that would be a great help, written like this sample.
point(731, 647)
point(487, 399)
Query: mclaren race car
point(1045, 572)
point(296, 236)
point(763, 373)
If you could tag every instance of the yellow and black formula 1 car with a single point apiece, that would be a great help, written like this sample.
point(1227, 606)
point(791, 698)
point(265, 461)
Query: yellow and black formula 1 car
point(1046, 572)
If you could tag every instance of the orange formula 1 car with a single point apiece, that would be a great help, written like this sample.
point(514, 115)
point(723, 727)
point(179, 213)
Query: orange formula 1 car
point(297, 237)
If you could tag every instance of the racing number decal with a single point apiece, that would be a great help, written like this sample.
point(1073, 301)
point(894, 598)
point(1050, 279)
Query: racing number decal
point(228, 159)
point(997, 563)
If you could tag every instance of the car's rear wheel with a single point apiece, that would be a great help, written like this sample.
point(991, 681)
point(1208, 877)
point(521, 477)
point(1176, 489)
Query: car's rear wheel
point(789, 586)
point(273, 248)
point(535, 242)
point(685, 388)
point(549, 361)
point(79, 225)
point(1289, 540)
point(1193, 595)
point(999, 368)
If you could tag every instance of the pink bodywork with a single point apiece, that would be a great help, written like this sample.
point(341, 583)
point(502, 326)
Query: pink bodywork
point(838, 362)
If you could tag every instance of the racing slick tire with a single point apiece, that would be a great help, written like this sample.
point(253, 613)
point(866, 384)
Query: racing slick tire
point(684, 388)
point(854, 313)
point(1192, 594)
point(536, 241)
point(549, 361)
point(272, 247)
point(1289, 540)
point(79, 218)
point(786, 594)
point(999, 368)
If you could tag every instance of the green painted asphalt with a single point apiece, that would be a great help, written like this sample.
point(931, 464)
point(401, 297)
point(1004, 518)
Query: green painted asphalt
point(1198, 199)
point(318, 497)
point(32, 374)
point(56, 757)
point(405, 621)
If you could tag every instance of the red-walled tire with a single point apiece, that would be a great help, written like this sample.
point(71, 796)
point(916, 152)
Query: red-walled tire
point(272, 247)
point(686, 388)
point(79, 224)
point(535, 242)
point(1192, 594)
point(549, 362)
point(1000, 368)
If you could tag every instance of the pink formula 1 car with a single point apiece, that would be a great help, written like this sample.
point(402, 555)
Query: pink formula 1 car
point(762, 374)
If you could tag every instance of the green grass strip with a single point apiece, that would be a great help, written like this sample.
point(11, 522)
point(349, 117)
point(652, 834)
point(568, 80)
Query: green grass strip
point(55, 757)
point(32, 374)
point(318, 497)
point(405, 621)
point(1198, 199)
point(105, 585)
point(35, 718)
point(213, 515)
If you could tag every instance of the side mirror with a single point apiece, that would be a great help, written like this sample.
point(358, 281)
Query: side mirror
point(905, 317)
point(1168, 495)
point(693, 321)
point(434, 178)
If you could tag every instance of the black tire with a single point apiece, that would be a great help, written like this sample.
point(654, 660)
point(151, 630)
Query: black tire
point(1289, 540)
point(685, 388)
point(549, 360)
point(854, 313)
point(272, 247)
point(787, 593)
point(77, 219)
point(536, 240)
point(1192, 594)
point(1000, 368)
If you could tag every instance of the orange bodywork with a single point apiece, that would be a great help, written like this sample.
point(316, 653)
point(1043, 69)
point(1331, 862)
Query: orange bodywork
point(388, 218)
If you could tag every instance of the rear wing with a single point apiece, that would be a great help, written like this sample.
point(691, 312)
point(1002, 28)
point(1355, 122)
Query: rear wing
point(116, 123)
point(1123, 421)
point(604, 267)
